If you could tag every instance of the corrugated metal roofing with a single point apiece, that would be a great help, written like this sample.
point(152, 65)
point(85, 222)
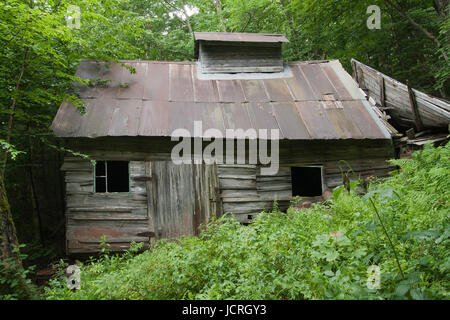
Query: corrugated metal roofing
point(320, 101)
point(239, 37)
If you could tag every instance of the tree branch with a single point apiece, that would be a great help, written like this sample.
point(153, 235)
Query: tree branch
point(13, 107)
point(420, 27)
point(218, 5)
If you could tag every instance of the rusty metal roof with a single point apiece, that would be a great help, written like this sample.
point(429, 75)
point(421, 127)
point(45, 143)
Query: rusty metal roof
point(320, 101)
point(239, 37)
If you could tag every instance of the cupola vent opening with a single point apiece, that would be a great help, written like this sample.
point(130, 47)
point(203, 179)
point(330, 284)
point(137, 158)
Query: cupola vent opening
point(229, 52)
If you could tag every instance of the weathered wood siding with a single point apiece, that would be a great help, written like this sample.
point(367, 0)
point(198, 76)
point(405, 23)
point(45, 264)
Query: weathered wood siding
point(89, 215)
point(183, 197)
point(394, 97)
point(220, 57)
point(165, 201)
point(246, 193)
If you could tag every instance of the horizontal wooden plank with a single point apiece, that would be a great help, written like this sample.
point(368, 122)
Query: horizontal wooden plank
point(237, 177)
point(101, 209)
point(105, 217)
point(106, 199)
point(117, 240)
point(77, 165)
point(233, 193)
point(237, 184)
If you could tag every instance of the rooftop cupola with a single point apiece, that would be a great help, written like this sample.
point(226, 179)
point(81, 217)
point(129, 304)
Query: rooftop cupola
point(229, 52)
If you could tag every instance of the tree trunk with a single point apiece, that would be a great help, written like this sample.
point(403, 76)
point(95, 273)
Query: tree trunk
point(9, 251)
point(13, 108)
point(218, 5)
point(290, 18)
point(36, 214)
point(188, 21)
point(441, 7)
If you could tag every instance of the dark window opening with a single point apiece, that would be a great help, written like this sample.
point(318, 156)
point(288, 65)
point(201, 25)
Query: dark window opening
point(112, 176)
point(306, 181)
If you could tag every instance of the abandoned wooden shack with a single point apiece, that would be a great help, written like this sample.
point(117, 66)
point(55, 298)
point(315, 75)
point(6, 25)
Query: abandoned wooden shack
point(134, 190)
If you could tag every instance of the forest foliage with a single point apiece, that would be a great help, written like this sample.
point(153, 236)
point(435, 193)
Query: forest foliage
point(401, 225)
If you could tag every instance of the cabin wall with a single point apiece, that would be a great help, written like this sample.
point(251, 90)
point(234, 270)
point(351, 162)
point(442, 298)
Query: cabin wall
point(118, 216)
point(164, 201)
point(245, 192)
point(240, 189)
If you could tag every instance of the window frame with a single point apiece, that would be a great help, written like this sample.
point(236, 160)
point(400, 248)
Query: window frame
point(322, 179)
point(106, 178)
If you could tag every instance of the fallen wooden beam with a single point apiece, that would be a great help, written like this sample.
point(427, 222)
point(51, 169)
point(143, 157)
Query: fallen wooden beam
point(414, 108)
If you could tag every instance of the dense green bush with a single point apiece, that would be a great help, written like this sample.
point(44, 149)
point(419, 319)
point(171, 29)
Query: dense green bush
point(401, 225)
point(15, 278)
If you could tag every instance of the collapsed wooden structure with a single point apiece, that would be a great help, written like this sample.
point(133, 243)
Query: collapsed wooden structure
point(421, 117)
point(321, 114)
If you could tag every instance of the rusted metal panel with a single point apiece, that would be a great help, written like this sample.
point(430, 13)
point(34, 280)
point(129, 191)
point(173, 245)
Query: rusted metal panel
point(180, 83)
point(317, 79)
point(290, 121)
point(230, 91)
point(342, 92)
point(67, 121)
point(90, 69)
point(156, 83)
point(342, 124)
point(278, 90)
point(98, 117)
point(104, 79)
point(262, 116)
point(236, 116)
point(346, 79)
point(154, 119)
point(204, 90)
point(125, 118)
point(254, 91)
point(182, 115)
point(210, 114)
point(363, 120)
point(316, 120)
point(239, 37)
point(131, 85)
point(299, 85)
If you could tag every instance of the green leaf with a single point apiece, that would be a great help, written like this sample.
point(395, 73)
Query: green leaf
point(402, 289)
point(337, 192)
point(416, 294)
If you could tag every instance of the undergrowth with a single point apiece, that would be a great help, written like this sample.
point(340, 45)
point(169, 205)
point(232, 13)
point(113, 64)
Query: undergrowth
point(400, 225)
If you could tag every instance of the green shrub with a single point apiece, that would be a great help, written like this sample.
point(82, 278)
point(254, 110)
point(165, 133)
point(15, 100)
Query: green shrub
point(15, 282)
point(401, 225)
